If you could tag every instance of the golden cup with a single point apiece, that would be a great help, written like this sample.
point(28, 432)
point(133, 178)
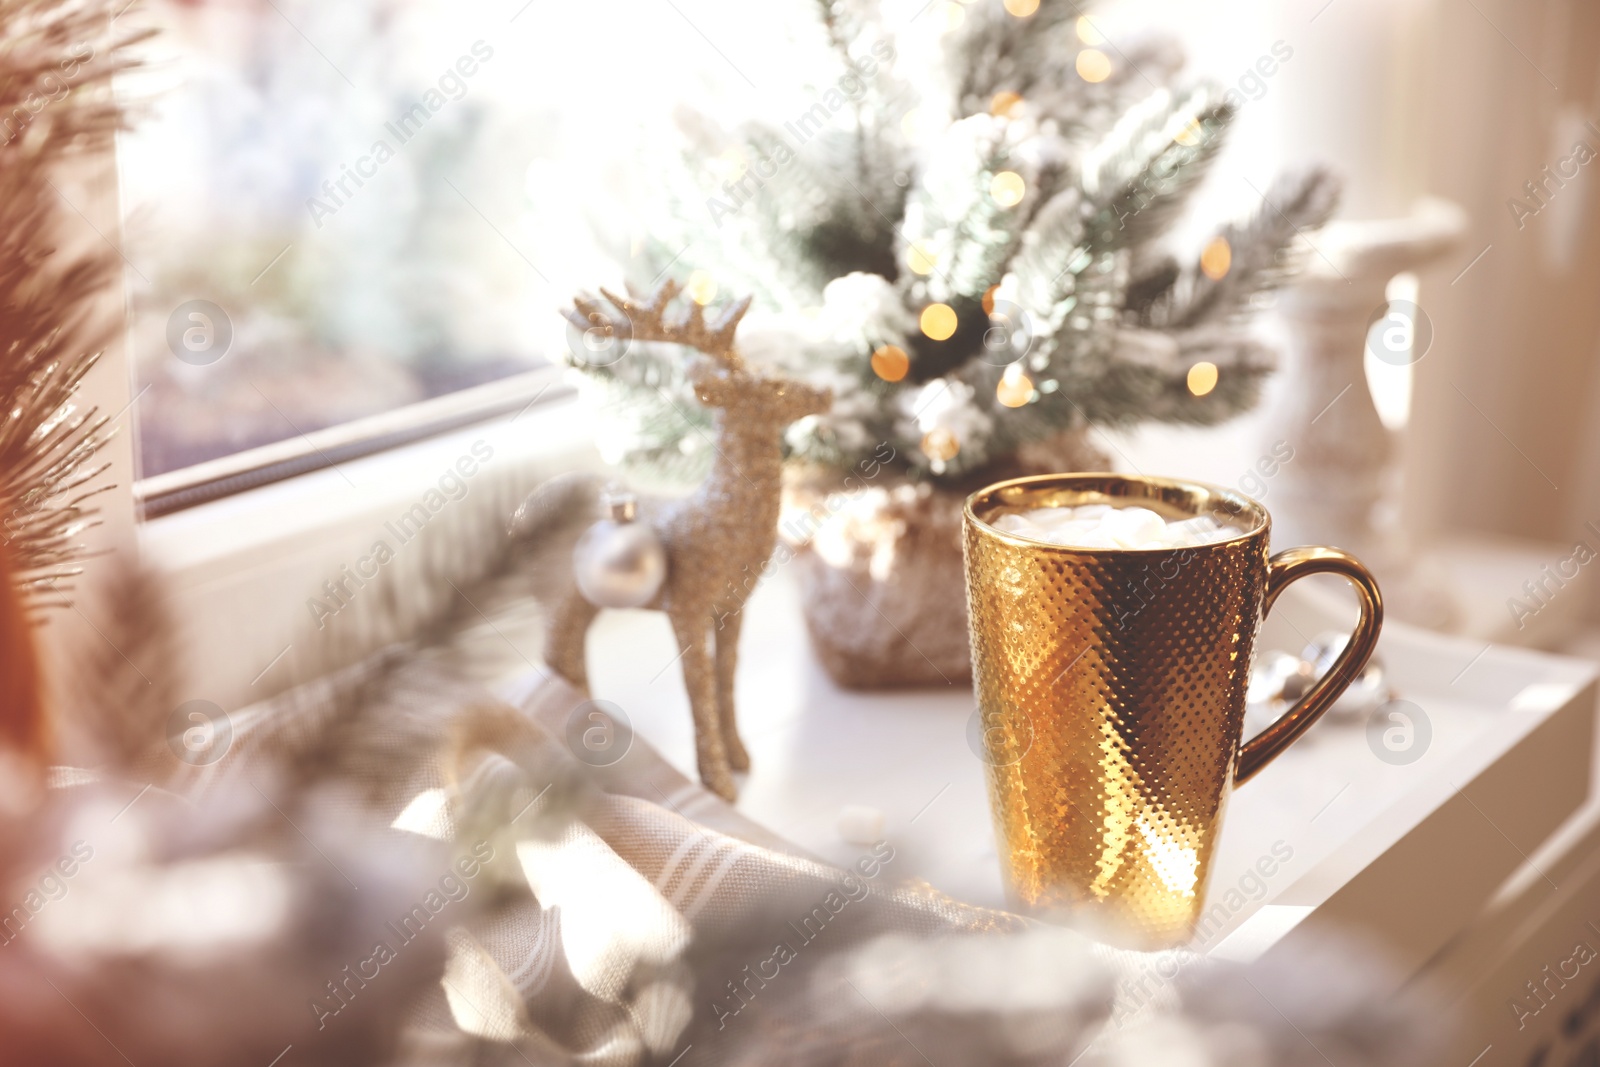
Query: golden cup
point(1111, 694)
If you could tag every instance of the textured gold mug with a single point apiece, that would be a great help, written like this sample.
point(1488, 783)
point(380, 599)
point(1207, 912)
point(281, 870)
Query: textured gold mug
point(1111, 694)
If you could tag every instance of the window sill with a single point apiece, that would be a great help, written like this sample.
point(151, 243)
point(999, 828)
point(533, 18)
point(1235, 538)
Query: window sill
point(241, 570)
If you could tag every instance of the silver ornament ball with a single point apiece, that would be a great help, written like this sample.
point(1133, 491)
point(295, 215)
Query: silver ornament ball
point(619, 564)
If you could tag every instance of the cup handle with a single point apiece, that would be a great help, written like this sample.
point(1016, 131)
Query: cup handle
point(1285, 567)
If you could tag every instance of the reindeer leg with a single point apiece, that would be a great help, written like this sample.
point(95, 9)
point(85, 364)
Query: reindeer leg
point(693, 631)
point(564, 640)
point(727, 639)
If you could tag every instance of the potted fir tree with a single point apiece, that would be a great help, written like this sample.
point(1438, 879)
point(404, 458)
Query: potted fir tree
point(975, 259)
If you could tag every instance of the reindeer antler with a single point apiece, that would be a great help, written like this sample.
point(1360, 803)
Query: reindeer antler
point(647, 320)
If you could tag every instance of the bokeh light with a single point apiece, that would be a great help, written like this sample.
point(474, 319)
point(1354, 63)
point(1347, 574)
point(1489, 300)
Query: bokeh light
point(702, 289)
point(940, 445)
point(1093, 65)
point(1007, 188)
point(938, 322)
point(1015, 388)
point(890, 363)
point(1202, 378)
point(1216, 259)
point(1190, 135)
point(1005, 104)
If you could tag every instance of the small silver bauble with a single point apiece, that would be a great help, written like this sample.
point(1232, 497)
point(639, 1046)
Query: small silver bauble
point(1281, 678)
point(619, 563)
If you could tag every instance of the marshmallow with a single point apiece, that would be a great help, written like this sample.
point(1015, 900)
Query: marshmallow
point(1103, 527)
point(1051, 517)
point(1201, 530)
point(1016, 524)
point(1132, 527)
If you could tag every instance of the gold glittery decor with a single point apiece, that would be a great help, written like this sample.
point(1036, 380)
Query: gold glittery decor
point(1111, 689)
point(718, 538)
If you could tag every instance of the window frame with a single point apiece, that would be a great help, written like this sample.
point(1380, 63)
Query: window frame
point(307, 453)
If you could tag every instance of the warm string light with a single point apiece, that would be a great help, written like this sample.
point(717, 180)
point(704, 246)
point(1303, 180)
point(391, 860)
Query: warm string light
point(1093, 65)
point(940, 445)
point(891, 363)
point(954, 15)
point(1015, 388)
point(938, 322)
point(988, 299)
point(1089, 33)
point(1216, 259)
point(1202, 378)
point(1007, 188)
point(1190, 135)
point(700, 286)
point(922, 258)
point(1005, 104)
point(1022, 8)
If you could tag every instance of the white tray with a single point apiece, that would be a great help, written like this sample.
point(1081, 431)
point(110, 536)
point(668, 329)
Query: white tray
point(1409, 852)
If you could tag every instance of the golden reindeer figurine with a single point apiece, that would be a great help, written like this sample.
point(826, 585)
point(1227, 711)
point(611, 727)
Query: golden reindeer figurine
point(717, 536)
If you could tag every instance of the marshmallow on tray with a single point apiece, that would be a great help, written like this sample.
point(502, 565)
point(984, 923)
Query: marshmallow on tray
point(1101, 526)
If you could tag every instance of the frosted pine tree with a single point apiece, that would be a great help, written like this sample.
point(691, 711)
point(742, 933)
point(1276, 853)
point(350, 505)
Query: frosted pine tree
point(973, 253)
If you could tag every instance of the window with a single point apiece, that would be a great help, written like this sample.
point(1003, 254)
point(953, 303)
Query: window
point(330, 212)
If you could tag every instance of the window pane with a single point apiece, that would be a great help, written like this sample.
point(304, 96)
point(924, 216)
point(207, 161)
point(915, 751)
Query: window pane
point(335, 209)
point(329, 211)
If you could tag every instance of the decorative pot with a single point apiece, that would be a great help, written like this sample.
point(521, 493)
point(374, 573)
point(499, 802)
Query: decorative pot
point(881, 578)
